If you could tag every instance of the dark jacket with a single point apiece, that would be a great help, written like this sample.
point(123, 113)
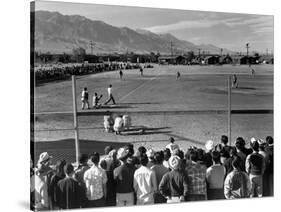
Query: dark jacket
point(174, 184)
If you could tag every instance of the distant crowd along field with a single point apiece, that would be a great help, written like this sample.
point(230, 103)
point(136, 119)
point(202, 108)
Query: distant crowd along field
point(62, 71)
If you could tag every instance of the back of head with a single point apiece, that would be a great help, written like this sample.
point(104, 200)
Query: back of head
point(236, 163)
point(167, 154)
point(179, 153)
point(269, 140)
point(193, 156)
point(240, 143)
point(122, 154)
point(107, 149)
point(158, 158)
point(68, 169)
point(200, 154)
point(255, 146)
point(59, 167)
point(224, 139)
point(216, 156)
point(172, 140)
point(130, 148)
point(143, 160)
point(83, 159)
point(142, 150)
point(95, 158)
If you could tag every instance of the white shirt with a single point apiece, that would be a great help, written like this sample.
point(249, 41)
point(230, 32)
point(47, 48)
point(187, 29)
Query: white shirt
point(172, 147)
point(109, 91)
point(145, 184)
point(118, 123)
point(95, 178)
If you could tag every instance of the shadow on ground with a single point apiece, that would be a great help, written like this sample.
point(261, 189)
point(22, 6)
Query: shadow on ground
point(142, 130)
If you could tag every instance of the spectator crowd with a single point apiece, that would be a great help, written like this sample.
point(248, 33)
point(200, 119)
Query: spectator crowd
point(128, 176)
point(63, 71)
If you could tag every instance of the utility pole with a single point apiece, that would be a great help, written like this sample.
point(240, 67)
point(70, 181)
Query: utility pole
point(221, 51)
point(266, 51)
point(247, 47)
point(92, 46)
point(199, 52)
point(171, 48)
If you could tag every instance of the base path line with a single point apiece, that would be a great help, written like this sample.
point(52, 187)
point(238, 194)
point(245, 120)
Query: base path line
point(128, 94)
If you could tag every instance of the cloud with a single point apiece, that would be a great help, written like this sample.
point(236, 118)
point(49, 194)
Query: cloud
point(258, 24)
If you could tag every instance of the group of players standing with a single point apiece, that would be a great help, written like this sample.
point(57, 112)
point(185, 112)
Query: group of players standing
point(96, 98)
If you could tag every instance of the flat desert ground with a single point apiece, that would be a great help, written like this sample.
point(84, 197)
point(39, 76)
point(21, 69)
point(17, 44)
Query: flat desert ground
point(191, 109)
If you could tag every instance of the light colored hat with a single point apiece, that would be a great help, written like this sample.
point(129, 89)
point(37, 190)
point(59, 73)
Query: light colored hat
point(112, 153)
point(209, 145)
point(174, 162)
point(44, 157)
point(122, 152)
point(253, 140)
point(150, 153)
point(261, 142)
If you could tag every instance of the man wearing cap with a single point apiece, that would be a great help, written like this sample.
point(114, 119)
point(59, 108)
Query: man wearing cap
point(255, 166)
point(172, 146)
point(124, 178)
point(145, 184)
point(95, 179)
point(41, 179)
point(174, 184)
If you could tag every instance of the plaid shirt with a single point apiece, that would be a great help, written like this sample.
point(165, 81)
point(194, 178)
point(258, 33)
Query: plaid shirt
point(196, 174)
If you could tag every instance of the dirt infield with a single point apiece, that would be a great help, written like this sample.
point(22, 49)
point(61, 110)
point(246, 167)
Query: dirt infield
point(199, 88)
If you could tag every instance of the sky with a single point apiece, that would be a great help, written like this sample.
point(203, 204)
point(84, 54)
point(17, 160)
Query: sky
point(225, 30)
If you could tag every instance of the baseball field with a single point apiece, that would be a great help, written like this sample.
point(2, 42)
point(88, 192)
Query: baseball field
point(192, 109)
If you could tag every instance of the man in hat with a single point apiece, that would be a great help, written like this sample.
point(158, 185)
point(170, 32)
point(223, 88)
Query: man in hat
point(71, 193)
point(124, 178)
point(41, 179)
point(255, 166)
point(95, 179)
point(174, 184)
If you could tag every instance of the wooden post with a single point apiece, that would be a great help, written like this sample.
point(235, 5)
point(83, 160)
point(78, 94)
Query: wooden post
point(76, 130)
point(229, 110)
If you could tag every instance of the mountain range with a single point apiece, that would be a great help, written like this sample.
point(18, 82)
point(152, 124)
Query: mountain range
point(57, 33)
